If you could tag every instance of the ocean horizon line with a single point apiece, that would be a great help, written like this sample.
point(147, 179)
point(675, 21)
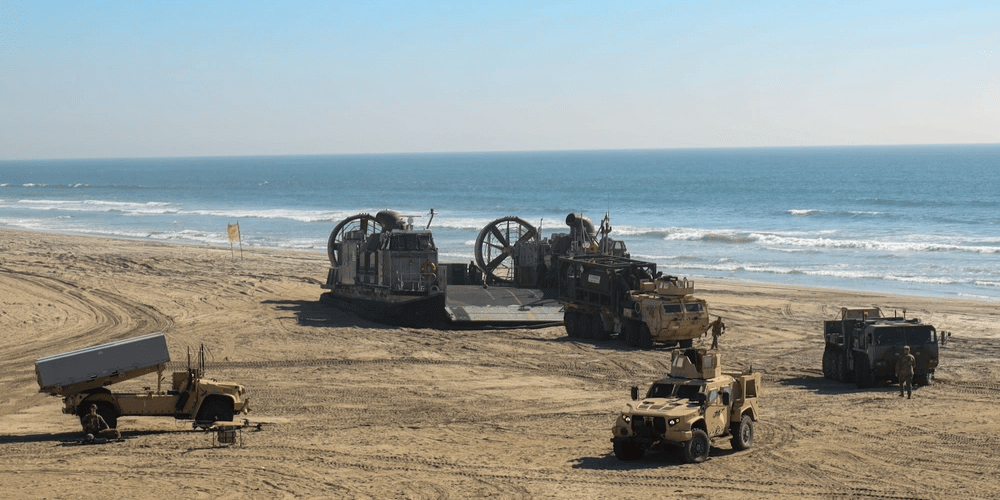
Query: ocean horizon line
point(512, 152)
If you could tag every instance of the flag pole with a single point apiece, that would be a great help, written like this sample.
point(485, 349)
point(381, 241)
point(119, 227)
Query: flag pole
point(231, 231)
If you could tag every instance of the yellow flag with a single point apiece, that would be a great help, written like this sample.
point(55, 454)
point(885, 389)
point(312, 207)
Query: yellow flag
point(234, 232)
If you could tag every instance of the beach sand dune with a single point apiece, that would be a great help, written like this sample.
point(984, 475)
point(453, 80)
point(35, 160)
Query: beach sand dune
point(370, 411)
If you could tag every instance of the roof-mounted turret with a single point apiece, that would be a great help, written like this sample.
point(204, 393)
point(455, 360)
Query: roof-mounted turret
point(668, 285)
point(695, 364)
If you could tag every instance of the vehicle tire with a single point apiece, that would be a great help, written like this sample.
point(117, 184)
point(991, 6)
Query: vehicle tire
point(585, 326)
point(696, 450)
point(840, 363)
point(742, 432)
point(571, 321)
point(862, 376)
point(215, 410)
point(645, 337)
point(827, 372)
point(848, 372)
point(597, 326)
point(628, 451)
point(631, 334)
point(923, 379)
point(685, 344)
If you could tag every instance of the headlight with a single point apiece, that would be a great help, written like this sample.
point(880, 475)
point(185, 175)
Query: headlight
point(627, 419)
point(672, 422)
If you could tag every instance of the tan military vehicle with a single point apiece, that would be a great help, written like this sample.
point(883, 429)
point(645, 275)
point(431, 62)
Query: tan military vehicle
point(863, 346)
point(606, 294)
point(697, 402)
point(664, 310)
point(81, 377)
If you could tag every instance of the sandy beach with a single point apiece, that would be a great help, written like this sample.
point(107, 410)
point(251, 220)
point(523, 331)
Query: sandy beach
point(365, 410)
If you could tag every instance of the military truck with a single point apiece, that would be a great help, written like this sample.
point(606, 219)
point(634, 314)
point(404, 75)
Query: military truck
point(863, 346)
point(697, 402)
point(607, 294)
point(81, 377)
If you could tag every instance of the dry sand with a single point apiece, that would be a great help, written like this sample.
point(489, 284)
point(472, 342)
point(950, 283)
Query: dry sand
point(370, 411)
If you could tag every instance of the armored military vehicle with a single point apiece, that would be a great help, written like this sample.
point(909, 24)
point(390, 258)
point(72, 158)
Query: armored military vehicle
point(697, 402)
point(605, 294)
point(81, 377)
point(863, 346)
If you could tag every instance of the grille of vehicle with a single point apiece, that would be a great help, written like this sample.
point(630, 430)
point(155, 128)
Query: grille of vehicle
point(658, 424)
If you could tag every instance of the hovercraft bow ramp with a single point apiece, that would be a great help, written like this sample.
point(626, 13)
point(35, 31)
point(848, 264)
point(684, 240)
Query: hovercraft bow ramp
point(479, 305)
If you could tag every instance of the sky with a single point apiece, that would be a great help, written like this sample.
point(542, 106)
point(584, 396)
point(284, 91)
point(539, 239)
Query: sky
point(101, 79)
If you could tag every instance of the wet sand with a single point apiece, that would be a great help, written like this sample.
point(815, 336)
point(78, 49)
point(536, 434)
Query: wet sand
point(370, 411)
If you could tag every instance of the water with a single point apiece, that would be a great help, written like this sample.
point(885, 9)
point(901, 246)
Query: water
point(919, 220)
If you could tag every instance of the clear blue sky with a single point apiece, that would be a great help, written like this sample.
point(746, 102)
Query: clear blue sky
point(83, 79)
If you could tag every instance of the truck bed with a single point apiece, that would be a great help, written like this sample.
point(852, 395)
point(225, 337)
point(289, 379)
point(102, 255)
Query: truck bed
point(101, 365)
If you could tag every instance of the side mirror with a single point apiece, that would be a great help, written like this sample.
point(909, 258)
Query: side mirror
point(725, 398)
point(635, 393)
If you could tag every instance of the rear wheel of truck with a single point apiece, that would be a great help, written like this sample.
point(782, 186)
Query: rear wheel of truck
point(571, 321)
point(585, 327)
point(597, 326)
point(645, 337)
point(631, 334)
point(923, 379)
point(626, 451)
point(848, 371)
point(840, 367)
point(863, 376)
point(696, 450)
point(215, 410)
point(742, 433)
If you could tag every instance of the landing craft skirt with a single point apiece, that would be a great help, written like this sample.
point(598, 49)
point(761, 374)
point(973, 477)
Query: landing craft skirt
point(502, 305)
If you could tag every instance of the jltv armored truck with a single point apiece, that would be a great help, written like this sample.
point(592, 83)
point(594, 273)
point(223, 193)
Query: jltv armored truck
point(697, 402)
point(81, 377)
point(605, 294)
point(863, 346)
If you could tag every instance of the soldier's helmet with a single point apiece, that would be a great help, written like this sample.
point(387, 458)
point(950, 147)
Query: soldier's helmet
point(94, 407)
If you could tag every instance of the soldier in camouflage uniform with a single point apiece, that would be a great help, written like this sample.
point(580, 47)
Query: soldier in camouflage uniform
point(717, 328)
point(904, 372)
point(95, 426)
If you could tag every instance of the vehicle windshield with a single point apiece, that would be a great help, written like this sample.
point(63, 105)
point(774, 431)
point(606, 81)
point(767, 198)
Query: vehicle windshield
point(411, 242)
point(905, 335)
point(667, 390)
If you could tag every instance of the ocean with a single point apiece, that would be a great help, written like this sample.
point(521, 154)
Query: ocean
point(917, 220)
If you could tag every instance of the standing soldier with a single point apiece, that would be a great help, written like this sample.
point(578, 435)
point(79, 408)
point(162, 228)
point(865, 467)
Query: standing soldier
point(717, 328)
point(904, 372)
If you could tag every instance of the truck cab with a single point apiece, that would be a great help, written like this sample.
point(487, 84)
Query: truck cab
point(664, 310)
